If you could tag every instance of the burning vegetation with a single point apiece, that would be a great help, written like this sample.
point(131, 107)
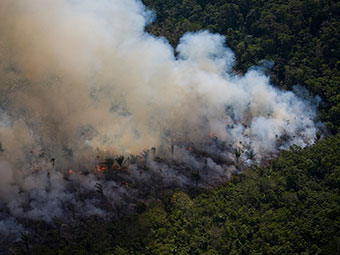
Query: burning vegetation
point(98, 116)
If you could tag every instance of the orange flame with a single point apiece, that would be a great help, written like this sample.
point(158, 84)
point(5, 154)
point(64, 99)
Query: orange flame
point(101, 168)
point(211, 134)
point(190, 148)
point(70, 171)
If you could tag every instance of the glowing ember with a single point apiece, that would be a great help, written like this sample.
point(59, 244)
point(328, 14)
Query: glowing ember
point(101, 168)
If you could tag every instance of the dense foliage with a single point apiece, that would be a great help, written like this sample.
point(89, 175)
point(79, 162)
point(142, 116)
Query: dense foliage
point(290, 206)
point(302, 38)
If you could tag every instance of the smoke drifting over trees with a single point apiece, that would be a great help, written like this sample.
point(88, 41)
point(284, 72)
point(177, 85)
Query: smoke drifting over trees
point(82, 80)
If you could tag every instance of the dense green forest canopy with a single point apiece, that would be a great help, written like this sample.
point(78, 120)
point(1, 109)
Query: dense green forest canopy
point(291, 205)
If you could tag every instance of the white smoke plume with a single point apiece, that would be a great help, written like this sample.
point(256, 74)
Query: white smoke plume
point(81, 79)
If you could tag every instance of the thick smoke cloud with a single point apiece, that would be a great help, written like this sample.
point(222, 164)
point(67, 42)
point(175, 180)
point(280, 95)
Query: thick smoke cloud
point(81, 79)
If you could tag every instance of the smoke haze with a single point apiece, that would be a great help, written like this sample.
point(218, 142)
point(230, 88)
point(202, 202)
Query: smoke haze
point(81, 80)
